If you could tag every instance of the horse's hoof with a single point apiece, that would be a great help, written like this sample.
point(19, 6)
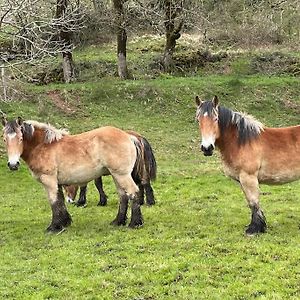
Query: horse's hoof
point(102, 203)
point(253, 231)
point(150, 203)
point(54, 229)
point(117, 222)
point(136, 223)
point(78, 204)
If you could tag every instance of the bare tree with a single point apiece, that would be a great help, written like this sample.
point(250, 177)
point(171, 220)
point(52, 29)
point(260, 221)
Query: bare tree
point(65, 35)
point(120, 23)
point(173, 22)
point(35, 34)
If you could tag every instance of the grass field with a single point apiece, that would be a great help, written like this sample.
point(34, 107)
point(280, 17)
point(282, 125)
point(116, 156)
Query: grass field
point(192, 245)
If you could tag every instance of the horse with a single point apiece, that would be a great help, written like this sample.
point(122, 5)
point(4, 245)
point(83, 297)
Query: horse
point(251, 152)
point(71, 192)
point(57, 158)
point(141, 176)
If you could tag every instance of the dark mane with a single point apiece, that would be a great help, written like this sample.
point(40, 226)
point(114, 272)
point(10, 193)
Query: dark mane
point(27, 131)
point(11, 127)
point(248, 128)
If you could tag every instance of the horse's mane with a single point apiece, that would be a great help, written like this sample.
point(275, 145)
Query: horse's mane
point(248, 128)
point(52, 134)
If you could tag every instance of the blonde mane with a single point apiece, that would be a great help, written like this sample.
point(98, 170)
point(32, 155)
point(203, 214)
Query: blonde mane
point(52, 134)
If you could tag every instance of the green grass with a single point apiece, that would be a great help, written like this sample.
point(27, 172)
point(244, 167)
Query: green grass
point(192, 245)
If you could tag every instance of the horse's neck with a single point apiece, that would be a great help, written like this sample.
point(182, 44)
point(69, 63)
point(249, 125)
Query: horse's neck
point(228, 143)
point(30, 144)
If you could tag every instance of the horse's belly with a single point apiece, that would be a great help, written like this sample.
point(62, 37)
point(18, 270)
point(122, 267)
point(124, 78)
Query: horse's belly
point(80, 175)
point(278, 176)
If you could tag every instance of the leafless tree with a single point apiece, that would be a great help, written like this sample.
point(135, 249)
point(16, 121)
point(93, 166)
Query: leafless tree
point(173, 22)
point(38, 29)
point(120, 23)
point(65, 37)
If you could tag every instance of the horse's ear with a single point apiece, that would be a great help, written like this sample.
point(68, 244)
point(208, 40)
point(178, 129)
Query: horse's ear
point(19, 121)
point(4, 120)
point(215, 101)
point(198, 101)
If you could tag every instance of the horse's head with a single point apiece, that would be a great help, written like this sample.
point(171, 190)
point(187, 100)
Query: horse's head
point(207, 117)
point(13, 139)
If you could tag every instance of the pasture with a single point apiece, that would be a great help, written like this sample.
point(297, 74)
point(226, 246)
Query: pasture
point(192, 245)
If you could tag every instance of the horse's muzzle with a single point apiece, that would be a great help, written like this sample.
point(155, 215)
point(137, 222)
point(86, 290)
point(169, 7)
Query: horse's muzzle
point(207, 151)
point(13, 167)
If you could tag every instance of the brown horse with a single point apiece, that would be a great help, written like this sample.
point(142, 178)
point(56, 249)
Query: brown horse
point(142, 176)
point(251, 152)
point(56, 158)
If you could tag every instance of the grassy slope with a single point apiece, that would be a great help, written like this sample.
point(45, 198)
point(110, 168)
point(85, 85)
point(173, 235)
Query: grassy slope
point(192, 245)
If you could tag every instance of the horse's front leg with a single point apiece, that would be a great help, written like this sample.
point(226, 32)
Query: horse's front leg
point(250, 187)
point(60, 216)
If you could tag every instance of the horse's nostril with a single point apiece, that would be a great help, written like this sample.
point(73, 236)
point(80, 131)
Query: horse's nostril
point(18, 163)
point(8, 164)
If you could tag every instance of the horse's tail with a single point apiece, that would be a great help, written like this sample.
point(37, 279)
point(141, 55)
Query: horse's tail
point(138, 169)
point(145, 166)
point(149, 160)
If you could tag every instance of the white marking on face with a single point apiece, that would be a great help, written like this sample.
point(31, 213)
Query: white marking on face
point(10, 136)
point(69, 200)
point(14, 159)
point(207, 141)
point(205, 114)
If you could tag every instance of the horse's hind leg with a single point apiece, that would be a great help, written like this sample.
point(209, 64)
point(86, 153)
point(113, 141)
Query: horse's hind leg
point(250, 188)
point(103, 197)
point(82, 196)
point(136, 214)
point(141, 194)
point(126, 184)
point(60, 216)
point(149, 193)
point(121, 217)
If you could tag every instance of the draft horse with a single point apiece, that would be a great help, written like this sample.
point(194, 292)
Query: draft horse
point(144, 172)
point(56, 158)
point(251, 153)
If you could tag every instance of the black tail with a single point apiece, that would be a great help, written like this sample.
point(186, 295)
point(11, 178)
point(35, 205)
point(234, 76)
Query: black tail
point(149, 160)
point(145, 166)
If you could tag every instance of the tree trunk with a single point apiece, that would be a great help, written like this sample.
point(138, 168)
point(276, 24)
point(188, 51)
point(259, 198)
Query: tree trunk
point(66, 38)
point(121, 39)
point(4, 85)
point(172, 32)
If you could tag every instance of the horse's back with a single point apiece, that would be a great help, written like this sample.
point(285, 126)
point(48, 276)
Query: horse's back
point(105, 132)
